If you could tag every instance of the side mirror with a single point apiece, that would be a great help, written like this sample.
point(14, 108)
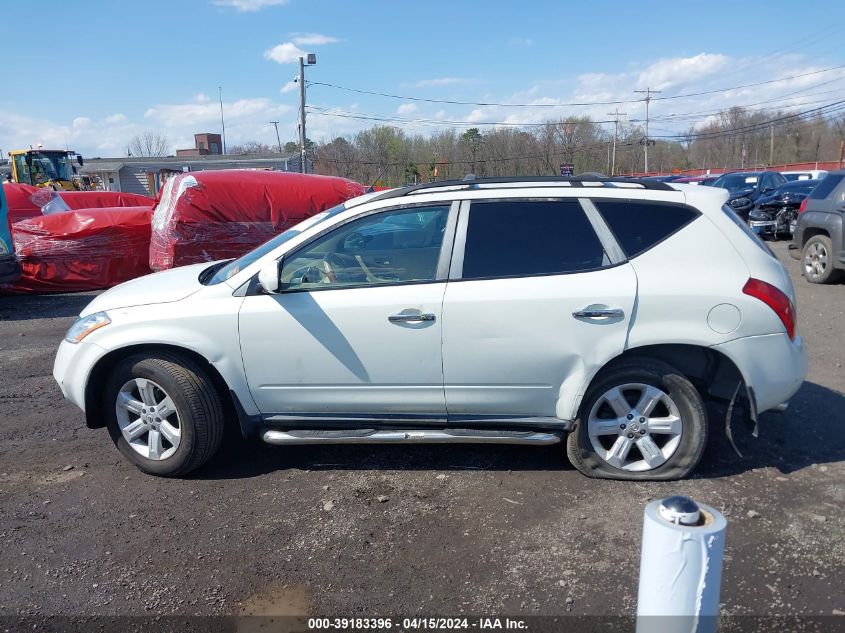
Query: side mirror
point(268, 278)
point(79, 160)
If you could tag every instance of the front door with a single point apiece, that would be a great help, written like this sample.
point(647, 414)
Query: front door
point(356, 330)
point(534, 303)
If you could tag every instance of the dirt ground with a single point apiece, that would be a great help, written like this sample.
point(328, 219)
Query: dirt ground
point(358, 530)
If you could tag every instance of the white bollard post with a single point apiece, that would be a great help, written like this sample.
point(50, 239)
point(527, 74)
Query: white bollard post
point(680, 567)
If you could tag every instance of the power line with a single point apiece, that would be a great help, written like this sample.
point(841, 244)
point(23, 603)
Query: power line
point(584, 103)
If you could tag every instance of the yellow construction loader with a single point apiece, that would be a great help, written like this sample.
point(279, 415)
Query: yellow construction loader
point(51, 168)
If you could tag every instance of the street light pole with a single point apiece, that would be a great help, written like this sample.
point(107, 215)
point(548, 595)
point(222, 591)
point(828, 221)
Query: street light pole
point(222, 123)
point(302, 166)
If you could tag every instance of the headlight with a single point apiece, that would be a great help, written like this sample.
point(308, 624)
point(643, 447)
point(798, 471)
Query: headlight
point(85, 325)
point(740, 202)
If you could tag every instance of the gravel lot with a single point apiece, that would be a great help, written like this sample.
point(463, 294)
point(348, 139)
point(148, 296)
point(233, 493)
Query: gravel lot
point(363, 530)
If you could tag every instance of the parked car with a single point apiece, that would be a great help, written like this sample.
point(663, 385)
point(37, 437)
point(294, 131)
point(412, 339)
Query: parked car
point(663, 178)
point(696, 180)
point(745, 187)
point(775, 214)
point(819, 238)
point(494, 310)
point(10, 268)
point(810, 174)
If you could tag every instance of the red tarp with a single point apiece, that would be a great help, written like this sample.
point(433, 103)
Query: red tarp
point(17, 197)
point(79, 250)
point(102, 199)
point(21, 206)
point(210, 215)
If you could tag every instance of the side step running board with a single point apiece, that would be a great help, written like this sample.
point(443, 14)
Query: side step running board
point(410, 436)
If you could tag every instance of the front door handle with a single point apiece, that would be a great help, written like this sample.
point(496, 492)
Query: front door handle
point(597, 313)
point(411, 317)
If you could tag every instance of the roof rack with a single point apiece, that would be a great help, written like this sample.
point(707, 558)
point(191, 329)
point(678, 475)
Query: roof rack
point(472, 183)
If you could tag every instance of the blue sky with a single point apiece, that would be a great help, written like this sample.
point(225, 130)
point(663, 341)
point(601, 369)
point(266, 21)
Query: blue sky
point(93, 73)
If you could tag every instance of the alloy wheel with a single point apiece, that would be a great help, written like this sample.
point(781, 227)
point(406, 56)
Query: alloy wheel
point(635, 427)
point(148, 419)
point(815, 260)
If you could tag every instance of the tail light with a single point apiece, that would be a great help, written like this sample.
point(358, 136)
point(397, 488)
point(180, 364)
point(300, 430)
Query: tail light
point(776, 300)
point(803, 206)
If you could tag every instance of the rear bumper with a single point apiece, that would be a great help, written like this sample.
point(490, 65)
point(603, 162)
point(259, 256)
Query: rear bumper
point(772, 365)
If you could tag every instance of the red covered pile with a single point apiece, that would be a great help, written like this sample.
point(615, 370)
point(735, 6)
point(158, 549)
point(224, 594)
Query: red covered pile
point(210, 215)
point(82, 250)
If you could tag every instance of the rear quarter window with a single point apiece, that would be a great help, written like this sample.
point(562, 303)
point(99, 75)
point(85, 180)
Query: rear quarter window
point(638, 225)
point(826, 187)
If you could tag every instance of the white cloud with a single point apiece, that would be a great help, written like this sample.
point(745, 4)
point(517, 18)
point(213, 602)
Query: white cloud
point(289, 87)
point(286, 53)
point(434, 83)
point(202, 98)
point(115, 118)
point(249, 6)
point(406, 108)
point(312, 39)
point(666, 73)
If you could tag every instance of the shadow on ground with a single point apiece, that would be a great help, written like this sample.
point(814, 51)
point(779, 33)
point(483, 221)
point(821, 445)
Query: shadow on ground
point(27, 307)
point(812, 431)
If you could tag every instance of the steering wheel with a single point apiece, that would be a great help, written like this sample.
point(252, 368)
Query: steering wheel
point(343, 268)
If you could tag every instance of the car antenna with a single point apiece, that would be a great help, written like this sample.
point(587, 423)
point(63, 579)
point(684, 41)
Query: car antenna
point(372, 187)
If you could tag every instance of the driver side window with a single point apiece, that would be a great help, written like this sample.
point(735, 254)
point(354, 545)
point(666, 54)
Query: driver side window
point(397, 246)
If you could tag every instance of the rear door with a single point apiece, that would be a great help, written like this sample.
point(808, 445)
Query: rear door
point(535, 300)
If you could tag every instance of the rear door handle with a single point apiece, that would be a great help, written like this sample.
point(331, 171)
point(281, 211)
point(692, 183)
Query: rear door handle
point(411, 317)
point(597, 313)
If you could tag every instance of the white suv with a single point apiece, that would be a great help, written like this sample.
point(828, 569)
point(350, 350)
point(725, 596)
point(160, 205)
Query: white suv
point(501, 310)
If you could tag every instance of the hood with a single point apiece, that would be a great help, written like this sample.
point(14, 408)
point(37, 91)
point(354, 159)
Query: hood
point(740, 193)
point(164, 287)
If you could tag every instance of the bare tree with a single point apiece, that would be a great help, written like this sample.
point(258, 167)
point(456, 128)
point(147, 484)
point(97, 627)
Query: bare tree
point(248, 148)
point(148, 144)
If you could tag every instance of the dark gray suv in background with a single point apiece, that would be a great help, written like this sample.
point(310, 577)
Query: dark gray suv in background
point(819, 238)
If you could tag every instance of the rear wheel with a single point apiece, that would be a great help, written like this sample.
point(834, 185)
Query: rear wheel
point(163, 413)
point(641, 420)
point(817, 261)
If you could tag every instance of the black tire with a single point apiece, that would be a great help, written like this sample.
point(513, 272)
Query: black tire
point(829, 274)
point(197, 402)
point(690, 405)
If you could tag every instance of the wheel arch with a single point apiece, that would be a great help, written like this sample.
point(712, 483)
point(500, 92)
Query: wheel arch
point(713, 373)
point(232, 406)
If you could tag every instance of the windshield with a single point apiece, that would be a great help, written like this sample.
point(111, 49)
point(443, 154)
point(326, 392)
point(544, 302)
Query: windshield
point(48, 166)
point(736, 182)
point(237, 265)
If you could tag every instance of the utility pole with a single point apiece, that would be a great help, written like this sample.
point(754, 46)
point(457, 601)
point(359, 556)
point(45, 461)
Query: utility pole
point(771, 144)
point(222, 123)
point(616, 116)
point(647, 92)
point(278, 140)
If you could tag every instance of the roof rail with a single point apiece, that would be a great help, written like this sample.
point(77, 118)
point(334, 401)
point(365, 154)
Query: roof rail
point(472, 183)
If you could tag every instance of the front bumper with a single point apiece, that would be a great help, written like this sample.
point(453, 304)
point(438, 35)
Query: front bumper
point(772, 365)
point(72, 368)
point(763, 227)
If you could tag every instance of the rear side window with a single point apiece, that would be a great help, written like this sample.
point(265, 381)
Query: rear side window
point(639, 225)
point(826, 187)
point(521, 238)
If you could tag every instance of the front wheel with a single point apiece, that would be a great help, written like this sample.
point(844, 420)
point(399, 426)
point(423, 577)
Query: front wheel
point(641, 420)
point(163, 413)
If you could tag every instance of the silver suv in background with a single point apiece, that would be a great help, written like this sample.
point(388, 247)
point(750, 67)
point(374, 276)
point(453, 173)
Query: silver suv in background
point(819, 239)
